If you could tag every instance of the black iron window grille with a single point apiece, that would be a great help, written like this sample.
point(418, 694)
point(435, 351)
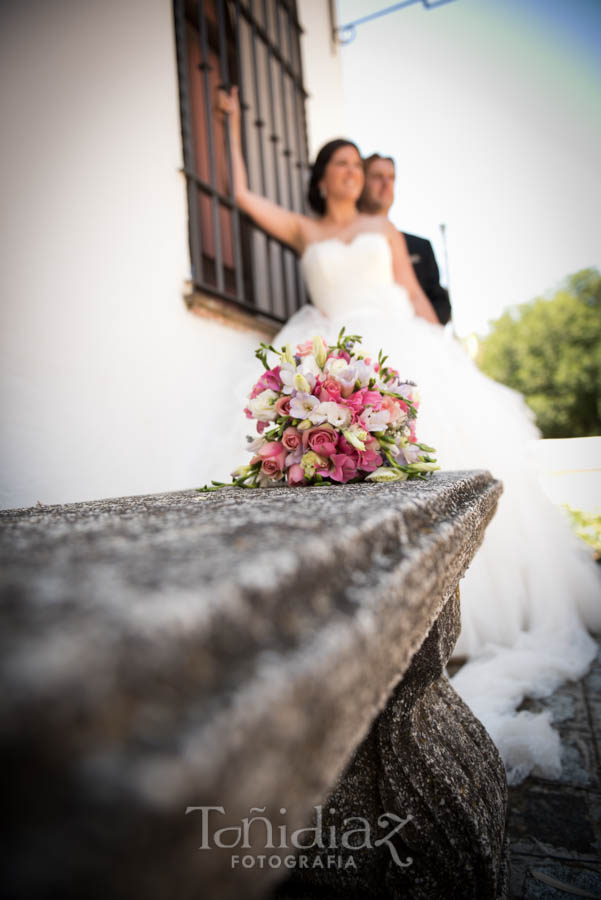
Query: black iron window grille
point(255, 44)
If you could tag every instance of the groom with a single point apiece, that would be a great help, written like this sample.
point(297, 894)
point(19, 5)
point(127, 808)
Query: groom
point(377, 198)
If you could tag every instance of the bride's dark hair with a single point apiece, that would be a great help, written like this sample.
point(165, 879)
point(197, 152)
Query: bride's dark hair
point(315, 200)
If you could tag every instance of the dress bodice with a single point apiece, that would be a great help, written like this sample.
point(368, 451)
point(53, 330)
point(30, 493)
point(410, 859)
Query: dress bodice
point(343, 276)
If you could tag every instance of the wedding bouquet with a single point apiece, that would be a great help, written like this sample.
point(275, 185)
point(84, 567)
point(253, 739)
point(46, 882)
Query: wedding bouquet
point(330, 413)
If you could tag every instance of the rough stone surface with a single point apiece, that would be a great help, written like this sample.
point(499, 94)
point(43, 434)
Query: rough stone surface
point(431, 764)
point(231, 649)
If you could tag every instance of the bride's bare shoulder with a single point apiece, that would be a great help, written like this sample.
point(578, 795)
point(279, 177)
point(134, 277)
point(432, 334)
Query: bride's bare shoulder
point(311, 230)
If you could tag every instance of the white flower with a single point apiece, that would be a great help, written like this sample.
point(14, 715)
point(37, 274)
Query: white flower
point(355, 435)
point(308, 366)
point(253, 446)
point(362, 371)
point(374, 420)
point(424, 467)
point(287, 375)
point(411, 452)
point(337, 415)
point(302, 405)
point(304, 383)
point(263, 406)
point(384, 474)
point(317, 416)
point(347, 379)
point(334, 366)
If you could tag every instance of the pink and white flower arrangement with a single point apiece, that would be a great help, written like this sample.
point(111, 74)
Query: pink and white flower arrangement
point(331, 414)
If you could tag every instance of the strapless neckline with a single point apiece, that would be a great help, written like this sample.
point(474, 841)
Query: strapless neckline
point(351, 243)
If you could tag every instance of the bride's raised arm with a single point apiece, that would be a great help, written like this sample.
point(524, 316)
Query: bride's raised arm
point(404, 274)
point(282, 223)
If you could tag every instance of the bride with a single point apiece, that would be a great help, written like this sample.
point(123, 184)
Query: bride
point(532, 593)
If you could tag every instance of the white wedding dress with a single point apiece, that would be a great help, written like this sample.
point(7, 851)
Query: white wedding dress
point(532, 591)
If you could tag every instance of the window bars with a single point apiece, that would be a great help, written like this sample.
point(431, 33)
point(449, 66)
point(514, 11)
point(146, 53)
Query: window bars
point(255, 44)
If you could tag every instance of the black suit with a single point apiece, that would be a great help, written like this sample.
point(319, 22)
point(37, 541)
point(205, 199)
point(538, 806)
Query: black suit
point(426, 270)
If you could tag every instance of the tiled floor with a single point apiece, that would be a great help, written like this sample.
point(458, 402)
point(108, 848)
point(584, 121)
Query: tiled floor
point(555, 826)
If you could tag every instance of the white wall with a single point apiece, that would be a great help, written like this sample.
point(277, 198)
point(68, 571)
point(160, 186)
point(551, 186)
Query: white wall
point(322, 69)
point(109, 385)
point(103, 369)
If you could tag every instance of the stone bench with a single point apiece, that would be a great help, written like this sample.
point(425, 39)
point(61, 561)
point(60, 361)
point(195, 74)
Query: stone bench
point(276, 655)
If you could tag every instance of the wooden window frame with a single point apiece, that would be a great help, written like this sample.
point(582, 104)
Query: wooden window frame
point(255, 44)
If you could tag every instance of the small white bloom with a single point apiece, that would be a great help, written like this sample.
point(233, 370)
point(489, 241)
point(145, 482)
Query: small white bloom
point(374, 420)
point(337, 415)
point(263, 406)
point(363, 372)
point(308, 367)
point(302, 405)
point(384, 474)
point(334, 366)
point(256, 444)
point(287, 375)
point(301, 383)
point(347, 378)
point(318, 415)
point(424, 467)
point(411, 452)
point(355, 435)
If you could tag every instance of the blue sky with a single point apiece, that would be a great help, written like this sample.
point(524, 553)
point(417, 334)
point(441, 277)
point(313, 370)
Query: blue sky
point(492, 109)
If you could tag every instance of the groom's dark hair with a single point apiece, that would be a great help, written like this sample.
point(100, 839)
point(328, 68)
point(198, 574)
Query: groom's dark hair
point(314, 198)
point(374, 156)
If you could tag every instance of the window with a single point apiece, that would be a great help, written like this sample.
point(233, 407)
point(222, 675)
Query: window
point(255, 44)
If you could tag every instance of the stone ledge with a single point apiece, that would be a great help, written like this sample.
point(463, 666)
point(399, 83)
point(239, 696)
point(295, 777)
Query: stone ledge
point(230, 315)
point(229, 649)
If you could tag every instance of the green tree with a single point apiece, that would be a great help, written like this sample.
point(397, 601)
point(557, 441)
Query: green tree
point(550, 351)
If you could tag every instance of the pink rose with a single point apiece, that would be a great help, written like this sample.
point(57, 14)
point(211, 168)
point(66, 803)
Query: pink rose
point(330, 391)
point(296, 476)
point(321, 439)
point(282, 406)
point(291, 438)
point(270, 467)
point(273, 454)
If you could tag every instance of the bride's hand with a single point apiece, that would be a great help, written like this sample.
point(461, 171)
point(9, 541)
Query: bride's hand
point(229, 103)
